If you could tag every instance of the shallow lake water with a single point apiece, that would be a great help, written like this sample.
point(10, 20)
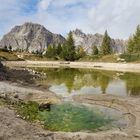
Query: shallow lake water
point(73, 117)
point(66, 81)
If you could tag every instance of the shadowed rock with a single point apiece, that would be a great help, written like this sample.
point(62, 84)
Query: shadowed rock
point(46, 106)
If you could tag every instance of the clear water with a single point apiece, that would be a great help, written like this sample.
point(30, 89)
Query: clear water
point(72, 117)
point(86, 81)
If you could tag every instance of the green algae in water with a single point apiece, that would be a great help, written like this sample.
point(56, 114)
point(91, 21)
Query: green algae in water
point(72, 118)
point(68, 117)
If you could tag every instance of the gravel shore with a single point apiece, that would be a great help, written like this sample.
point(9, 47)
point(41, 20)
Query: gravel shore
point(126, 67)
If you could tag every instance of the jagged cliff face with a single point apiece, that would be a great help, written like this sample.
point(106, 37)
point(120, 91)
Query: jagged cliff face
point(35, 37)
point(88, 40)
point(30, 37)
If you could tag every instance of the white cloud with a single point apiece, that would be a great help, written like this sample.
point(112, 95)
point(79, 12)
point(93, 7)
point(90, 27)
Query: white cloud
point(43, 4)
point(120, 17)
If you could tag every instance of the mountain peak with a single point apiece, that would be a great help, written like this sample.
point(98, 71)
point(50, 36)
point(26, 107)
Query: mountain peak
point(78, 32)
point(30, 37)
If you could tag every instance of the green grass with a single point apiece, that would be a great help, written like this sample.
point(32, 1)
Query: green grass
point(13, 56)
point(9, 56)
point(100, 58)
point(2, 102)
point(29, 111)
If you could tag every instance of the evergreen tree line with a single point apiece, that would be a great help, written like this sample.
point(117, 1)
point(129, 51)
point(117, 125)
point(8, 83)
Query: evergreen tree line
point(105, 48)
point(66, 51)
point(133, 47)
point(7, 49)
point(69, 52)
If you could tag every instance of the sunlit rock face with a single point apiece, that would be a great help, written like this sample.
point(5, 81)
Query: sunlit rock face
point(35, 37)
point(30, 37)
point(89, 40)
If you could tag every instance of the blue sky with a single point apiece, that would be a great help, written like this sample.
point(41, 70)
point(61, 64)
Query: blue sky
point(119, 17)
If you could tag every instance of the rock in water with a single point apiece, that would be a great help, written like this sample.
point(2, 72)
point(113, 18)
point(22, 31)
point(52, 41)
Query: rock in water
point(30, 37)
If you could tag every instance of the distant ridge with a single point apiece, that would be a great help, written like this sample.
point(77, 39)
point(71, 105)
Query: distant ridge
point(89, 40)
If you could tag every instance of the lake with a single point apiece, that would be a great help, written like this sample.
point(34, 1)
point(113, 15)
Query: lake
point(68, 81)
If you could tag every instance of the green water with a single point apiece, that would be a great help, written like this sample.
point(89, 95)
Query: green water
point(69, 116)
point(73, 118)
point(85, 81)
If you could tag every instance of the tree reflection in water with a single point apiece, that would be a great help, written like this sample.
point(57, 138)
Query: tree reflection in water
point(76, 79)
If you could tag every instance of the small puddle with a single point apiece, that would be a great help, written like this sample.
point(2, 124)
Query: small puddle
point(74, 117)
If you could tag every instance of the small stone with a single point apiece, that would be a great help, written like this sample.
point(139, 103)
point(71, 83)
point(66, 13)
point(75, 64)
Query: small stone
point(136, 135)
point(16, 96)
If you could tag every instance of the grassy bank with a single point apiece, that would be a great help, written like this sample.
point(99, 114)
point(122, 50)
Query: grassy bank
point(134, 57)
point(17, 56)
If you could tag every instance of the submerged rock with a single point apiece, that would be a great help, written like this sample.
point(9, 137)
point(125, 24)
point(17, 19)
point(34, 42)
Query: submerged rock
point(45, 106)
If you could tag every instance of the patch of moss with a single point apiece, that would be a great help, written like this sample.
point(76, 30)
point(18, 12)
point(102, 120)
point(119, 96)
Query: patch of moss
point(29, 111)
point(2, 101)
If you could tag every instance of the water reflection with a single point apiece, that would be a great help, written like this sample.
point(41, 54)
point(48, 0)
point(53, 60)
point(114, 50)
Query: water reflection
point(91, 81)
point(132, 83)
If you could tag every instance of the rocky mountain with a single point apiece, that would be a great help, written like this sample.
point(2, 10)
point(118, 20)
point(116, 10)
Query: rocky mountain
point(31, 37)
point(88, 40)
point(35, 37)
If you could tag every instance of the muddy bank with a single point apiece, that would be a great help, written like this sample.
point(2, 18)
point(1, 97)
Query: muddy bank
point(125, 67)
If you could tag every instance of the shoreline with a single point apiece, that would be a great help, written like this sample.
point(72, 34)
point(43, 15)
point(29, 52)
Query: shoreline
point(124, 67)
point(128, 105)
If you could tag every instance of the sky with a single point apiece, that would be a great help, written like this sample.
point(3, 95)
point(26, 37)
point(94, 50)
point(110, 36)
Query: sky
point(119, 17)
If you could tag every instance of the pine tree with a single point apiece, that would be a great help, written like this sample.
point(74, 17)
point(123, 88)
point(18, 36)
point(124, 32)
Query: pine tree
point(137, 40)
point(51, 51)
point(68, 50)
point(130, 46)
point(59, 49)
point(133, 45)
point(106, 44)
point(80, 52)
point(95, 50)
